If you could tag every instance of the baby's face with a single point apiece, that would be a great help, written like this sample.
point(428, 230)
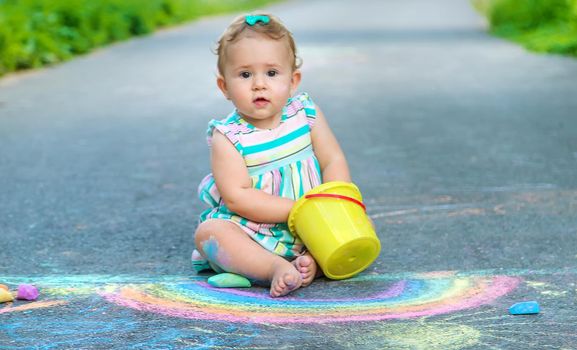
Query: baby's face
point(259, 79)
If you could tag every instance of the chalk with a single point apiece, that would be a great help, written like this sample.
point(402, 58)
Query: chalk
point(5, 287)
point(525, 308)
point(5, 296)
point(228, 280)
point(27, 292)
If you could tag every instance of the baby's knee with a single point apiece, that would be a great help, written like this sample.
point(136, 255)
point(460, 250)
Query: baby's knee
point(204, 231)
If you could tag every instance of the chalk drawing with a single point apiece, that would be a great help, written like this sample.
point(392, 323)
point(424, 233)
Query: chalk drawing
point(31, 306)
point(415, 296)
point(468, 203)
point(436, 310)
point(401, 299)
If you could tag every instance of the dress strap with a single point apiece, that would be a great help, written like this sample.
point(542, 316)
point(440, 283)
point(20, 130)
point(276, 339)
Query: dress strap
point(303, 102)
point(229, 129)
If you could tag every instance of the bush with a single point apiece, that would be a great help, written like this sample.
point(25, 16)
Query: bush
point(528, 14)
point(540, 25)
point(34, 33)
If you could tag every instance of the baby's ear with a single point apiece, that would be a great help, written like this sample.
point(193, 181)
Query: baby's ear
point(295, 81)
point(221, 83)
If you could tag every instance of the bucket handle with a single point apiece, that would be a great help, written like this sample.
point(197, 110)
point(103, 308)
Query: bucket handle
point(338, 196)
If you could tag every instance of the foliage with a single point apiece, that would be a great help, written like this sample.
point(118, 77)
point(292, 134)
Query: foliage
point(482, 6)
point(34, 33)
point(539, 25)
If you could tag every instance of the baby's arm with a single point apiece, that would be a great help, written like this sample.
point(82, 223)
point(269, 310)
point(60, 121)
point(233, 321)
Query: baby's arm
point(331, 158)
point(235, 186)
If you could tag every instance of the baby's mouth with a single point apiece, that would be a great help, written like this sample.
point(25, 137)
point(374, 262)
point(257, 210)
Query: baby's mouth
point(260, 101)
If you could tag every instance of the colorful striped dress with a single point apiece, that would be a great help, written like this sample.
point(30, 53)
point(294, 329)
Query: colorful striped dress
point(280, 161)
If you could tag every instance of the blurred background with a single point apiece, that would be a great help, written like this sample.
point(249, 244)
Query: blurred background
point(34, 33)
point(539, 25)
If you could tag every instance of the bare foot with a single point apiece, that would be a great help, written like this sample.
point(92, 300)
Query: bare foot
point(307, 267)
point(285, 279)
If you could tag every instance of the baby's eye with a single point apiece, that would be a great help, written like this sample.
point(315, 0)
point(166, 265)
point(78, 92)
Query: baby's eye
point(245, 75)
point(272, 73)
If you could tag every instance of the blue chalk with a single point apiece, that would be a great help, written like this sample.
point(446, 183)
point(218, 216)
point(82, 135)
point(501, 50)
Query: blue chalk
point(525, 308)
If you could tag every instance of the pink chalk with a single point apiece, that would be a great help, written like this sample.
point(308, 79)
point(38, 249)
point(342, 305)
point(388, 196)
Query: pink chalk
point(27, 292)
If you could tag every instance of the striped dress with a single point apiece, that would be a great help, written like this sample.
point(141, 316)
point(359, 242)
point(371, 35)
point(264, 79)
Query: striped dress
point(280, 161)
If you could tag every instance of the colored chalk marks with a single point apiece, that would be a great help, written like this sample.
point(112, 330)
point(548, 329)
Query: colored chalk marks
point(389, 297)
point(402, 299)
point(438, 310)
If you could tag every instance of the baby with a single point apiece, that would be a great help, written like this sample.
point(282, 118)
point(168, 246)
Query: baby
point(267, 153)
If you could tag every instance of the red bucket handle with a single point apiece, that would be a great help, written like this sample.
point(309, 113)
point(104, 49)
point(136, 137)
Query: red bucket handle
point(338, 196)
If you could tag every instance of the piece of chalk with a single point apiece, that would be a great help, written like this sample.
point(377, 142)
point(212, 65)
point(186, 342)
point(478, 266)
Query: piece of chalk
point(228, 280)
point(525, 308)
point(5, 296)
point(27, 292)
point(3, 286)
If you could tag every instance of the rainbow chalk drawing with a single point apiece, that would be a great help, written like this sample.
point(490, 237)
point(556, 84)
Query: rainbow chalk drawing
point(392, 297)
point(408, 298)
point(444, 310)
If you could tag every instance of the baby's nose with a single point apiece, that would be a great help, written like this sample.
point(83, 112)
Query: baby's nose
point(258, 82)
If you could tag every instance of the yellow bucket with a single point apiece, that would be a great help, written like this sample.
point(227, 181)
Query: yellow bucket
point(331, 221)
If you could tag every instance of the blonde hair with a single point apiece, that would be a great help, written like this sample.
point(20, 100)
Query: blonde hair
point(274, 29)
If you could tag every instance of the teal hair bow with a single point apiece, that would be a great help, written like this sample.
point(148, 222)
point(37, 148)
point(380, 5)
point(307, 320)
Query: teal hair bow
point(252, 20)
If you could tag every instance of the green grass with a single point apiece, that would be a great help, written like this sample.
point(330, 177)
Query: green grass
point(540, 25)
point(35, 33)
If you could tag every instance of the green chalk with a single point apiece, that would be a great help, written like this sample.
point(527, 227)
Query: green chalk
point(228, 280)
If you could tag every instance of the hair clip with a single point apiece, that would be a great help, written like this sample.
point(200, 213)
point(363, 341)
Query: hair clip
point(252, 20)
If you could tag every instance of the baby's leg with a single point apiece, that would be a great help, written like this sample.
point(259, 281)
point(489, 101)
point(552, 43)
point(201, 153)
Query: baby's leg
point(227, 246)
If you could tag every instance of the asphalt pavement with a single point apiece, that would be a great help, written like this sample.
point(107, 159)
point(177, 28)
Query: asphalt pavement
point(463, 145)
